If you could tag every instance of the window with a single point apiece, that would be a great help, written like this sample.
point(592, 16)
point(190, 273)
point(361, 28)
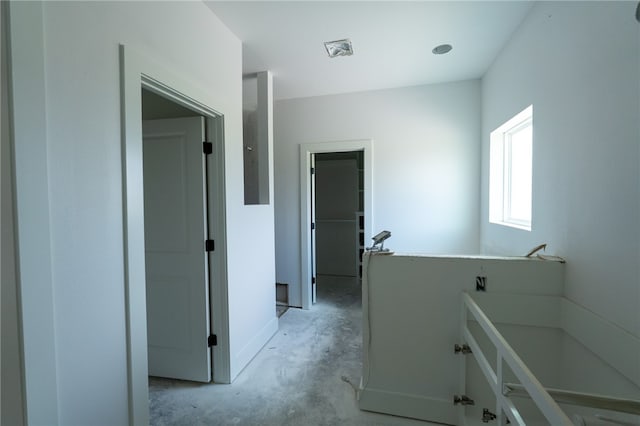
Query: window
point(510, 172)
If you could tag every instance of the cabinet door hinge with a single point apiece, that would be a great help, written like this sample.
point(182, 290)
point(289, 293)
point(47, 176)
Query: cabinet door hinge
point(462, 400)
point(464, 349)
point(488, 416)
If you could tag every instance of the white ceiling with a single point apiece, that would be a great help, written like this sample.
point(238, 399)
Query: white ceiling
point(392, 41)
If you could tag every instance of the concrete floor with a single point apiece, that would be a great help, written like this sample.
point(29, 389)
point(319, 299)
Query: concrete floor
point(307, 374)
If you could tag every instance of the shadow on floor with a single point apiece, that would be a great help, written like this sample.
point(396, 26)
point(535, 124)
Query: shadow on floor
point(281, 309)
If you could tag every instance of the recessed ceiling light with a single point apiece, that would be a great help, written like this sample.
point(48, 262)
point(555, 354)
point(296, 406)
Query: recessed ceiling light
point(442, 49)
point(339, 48)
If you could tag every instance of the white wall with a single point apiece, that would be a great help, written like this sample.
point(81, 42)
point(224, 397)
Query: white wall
point(251, 240)
point(85, 189)
point(579, 65)
point(11, 385)
point(425, 166)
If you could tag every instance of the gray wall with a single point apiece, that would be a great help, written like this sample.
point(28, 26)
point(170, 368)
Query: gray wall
point(578, 63)
point(11, 386)
point(425, 166)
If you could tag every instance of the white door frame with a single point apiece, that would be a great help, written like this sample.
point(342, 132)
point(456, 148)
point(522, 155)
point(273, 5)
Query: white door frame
point(306, 150)
point(36, 315)
point(136, 72)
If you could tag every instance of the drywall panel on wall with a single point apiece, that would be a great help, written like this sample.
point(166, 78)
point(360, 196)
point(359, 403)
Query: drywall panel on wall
point(425, 188)
point(586, 163)
point(84, 187)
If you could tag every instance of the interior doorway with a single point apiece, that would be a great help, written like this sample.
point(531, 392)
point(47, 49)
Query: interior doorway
point(365, 222)
point(338, 216)
point(175, 230)
point(138, 71)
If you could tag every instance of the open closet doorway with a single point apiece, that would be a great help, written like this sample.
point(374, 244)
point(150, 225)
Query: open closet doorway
point(336, 223)
point(338, 218)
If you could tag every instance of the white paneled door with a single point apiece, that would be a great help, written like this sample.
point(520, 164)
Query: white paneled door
point(176, 258)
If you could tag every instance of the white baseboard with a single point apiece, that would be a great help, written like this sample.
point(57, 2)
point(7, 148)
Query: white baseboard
point(243, 357)
point(407, 405)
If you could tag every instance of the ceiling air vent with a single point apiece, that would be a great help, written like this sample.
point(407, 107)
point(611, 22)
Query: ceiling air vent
point(339, 48)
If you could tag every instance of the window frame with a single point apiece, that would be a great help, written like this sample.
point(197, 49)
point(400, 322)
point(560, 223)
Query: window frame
point(500, 171)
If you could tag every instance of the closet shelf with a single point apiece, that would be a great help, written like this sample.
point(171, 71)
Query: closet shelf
point(335, 220)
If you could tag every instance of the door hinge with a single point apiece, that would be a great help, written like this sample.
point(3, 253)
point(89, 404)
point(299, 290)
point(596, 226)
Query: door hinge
point(212, 340)
point(313, 226)
point(313, 280)
point(313, 171)
point(207, 147)
point(209, 245)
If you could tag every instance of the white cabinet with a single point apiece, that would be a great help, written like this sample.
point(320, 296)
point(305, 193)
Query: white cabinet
point(412, 320)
